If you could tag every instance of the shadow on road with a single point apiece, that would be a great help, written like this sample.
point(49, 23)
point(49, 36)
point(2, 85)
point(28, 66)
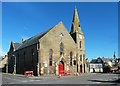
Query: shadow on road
point(103, 81)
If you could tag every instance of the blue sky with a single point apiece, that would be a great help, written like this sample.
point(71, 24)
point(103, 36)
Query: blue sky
point(99, 22)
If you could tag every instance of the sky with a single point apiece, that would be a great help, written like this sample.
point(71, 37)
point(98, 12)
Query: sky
point(98, 20)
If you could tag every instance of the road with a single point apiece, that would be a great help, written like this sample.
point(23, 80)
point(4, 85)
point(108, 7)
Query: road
point(86, 78)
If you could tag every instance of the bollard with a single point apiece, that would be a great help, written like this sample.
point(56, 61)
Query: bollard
point(77, 74)
point(59, 75)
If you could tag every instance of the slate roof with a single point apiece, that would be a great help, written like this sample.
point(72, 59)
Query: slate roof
point(93, 61)
point(33, 40)
point(101, 60)
point(106, 59)
point(16, 45)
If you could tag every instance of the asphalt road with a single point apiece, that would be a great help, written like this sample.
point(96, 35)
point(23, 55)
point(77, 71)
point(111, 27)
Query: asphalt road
point(90, 78)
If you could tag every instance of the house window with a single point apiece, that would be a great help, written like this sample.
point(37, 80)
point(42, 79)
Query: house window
point(51, 56)
point(61, 49)
point(80, 44)
point(80, 57)
point(70, 58)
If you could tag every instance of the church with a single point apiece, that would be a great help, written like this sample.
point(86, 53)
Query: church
point(50, 52)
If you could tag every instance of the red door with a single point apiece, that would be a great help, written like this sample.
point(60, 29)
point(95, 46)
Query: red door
point(61, 69)
point(80, 68)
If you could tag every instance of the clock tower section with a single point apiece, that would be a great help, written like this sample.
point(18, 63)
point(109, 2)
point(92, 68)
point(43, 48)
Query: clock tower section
point(76, 32)
point(78, 37)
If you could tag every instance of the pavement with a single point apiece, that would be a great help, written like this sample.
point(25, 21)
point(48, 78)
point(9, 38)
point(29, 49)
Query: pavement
point(85, 78)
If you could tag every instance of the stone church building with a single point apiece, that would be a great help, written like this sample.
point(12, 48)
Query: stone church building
point(50, 52)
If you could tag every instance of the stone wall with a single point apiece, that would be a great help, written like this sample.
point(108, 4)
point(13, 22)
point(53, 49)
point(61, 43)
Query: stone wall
point(52, 40)
point(26, 59)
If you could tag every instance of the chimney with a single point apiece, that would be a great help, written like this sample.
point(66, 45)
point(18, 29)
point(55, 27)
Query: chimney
point(23, 40)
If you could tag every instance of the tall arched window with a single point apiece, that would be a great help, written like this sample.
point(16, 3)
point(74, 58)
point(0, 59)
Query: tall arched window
point(61, 49)
point(17, 59)
point(70, 58)
point(80, 57)
point(80, 44)
point(51, 56)
point(32, 59)
point(24, 64)
point(83, 56)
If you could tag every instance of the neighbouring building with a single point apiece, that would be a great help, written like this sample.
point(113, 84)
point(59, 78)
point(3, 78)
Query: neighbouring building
point(104, 64)
point(3, 63)
point(95, 66)
point(118, 63)
point(50, 52)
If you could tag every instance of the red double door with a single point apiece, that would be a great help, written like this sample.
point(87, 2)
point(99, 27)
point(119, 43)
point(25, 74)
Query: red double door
point(61, 69)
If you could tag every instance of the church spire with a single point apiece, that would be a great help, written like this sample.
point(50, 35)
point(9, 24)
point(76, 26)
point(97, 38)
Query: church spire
point(114, 55)
point(75, 23)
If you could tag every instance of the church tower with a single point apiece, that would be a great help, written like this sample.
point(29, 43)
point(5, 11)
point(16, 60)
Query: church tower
point(76, 31)
point(78, 37)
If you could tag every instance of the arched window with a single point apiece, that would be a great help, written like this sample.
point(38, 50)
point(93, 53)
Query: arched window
point(80, 44)
point(24, 53)
point(70, 58)
point(51, 56)
point(80, 57)
point(83, 56)
point(74, 62)
point(17, 58)
point(32, 59)
point(24, 63)
point(61, 49)
point(32, 52)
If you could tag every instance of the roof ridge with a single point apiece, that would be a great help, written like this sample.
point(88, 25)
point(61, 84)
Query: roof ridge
point(34, 39)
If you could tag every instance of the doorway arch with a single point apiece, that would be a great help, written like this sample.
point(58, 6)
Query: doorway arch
point(61, 67)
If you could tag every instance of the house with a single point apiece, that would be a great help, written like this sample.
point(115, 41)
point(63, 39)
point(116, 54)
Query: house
point(50, 52)
point(105, 64)
point(95, 66)
point(3, 63)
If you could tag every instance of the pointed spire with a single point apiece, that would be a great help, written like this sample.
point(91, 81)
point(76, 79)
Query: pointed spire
point(114, 55)
point(75, 17)
point(75, 23)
